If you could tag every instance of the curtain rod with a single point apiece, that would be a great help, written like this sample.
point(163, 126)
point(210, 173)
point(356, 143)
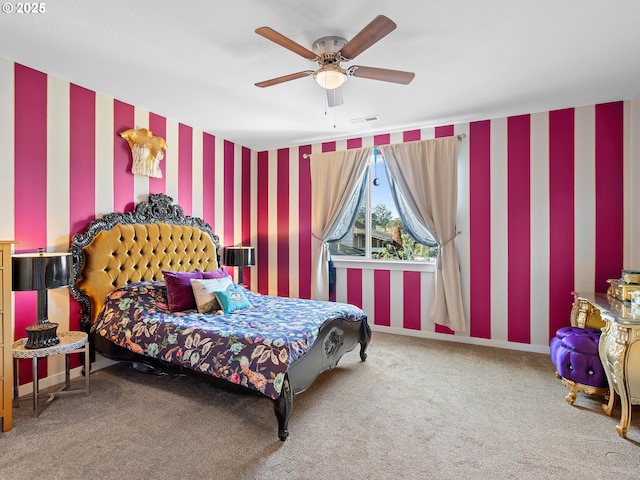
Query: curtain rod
point(459, 137)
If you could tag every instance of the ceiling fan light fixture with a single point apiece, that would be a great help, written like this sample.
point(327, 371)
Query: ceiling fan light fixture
point(330, 78)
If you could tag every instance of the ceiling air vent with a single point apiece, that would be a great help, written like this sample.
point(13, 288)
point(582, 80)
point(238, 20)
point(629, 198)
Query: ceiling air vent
point(371, 118)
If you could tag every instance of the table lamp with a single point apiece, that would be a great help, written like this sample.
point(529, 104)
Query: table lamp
point(239, 257)
point(41, 271)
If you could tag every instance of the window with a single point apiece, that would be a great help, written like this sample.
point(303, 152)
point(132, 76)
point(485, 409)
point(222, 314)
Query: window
point(377, 232)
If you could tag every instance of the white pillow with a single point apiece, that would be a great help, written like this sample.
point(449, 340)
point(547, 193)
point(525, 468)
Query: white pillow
point(203, 291)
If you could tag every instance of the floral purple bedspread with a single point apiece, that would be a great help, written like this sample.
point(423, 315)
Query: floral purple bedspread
point(251, 347)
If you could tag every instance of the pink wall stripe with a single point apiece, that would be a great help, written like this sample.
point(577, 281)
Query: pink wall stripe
point(185, 168)
point(123, 119)
point(282, 216)
point(229, 194)
point(354, 286)
point(411, 136)
point(382, 139)
point(354, 143)
point(158, 126)
point(304, 222)
point(82, 145)
point(382, 298)
point(480, 229)
point(30, 183)
point(518, 218)
point(209, 178)
point(609, 193)
point(82, 194)
point(30, 161)
point(328, 147)
point(246, 206)
point(262, 249)
point(412, 300)
point(444, 131)
point(561, 216)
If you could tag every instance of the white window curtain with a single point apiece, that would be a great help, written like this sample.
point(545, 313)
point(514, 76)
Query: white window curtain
point(335, 180)
point(425, 175)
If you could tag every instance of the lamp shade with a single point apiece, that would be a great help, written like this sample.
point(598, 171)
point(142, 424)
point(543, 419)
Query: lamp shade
point(329, 77)
point(41, 271)
point(239, 256)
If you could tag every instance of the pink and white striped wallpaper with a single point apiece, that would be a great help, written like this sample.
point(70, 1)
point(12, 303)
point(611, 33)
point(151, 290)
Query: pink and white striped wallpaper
point(540, 205)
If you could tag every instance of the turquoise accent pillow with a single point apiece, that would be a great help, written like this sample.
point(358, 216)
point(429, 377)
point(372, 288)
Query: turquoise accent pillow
point(232, 299)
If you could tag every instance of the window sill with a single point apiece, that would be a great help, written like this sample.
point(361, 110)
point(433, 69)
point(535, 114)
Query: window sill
point(398, 265)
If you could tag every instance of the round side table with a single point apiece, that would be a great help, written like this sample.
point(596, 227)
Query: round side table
point(70, 342)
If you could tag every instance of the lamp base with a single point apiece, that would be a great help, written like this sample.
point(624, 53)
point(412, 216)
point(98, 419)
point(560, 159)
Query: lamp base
point(40, 335)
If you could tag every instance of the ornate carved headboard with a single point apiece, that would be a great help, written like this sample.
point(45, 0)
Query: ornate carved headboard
point(122, 248)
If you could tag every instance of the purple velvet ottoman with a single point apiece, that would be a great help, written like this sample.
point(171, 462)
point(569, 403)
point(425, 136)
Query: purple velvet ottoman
point(574, 352)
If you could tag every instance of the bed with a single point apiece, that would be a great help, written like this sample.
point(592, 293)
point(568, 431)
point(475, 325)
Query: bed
point(127, 268)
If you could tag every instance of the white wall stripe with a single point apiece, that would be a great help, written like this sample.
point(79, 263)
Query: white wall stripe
point(426, 298)
point(58, 166)
point(238, 198)
point(626, 261)
point(396, 137)
point(462, 242)
point(196, 174)
point(104, 155)
point(499, 244)
point(171, 159)
point(396, 298)
point(634, 179)
point(58, 170)
point(218, 228)
point(7, 153)
point(341, 279)
point(427, 133)
point(585, 199)
point(540, 228)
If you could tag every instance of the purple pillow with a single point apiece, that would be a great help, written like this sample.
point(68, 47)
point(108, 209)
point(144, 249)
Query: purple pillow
point(219, 273)
point(179, 291)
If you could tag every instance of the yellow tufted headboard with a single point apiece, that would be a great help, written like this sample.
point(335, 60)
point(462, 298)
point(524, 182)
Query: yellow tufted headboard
point(123, 248)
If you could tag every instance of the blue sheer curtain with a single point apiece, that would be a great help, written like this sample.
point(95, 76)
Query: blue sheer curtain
point(336, 178)
point(410, 220)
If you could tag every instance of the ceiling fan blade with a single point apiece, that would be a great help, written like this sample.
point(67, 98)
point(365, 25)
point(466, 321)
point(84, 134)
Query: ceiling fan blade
point(284, 78)
point(379, 27)
point(334, 97)
point(383, 74)
point(271, 34)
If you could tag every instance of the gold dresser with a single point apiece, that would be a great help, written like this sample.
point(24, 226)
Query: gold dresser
point(619, 351)
point(6, 340)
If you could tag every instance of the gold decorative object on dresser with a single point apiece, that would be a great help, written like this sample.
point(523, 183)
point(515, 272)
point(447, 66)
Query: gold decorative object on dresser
point(6, 327)
point(619, 351)
point(621, 290)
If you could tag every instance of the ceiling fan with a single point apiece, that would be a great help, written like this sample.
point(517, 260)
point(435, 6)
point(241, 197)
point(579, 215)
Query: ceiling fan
point(331, 52)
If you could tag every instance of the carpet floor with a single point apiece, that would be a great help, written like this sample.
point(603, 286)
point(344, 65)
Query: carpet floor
point(416, 409)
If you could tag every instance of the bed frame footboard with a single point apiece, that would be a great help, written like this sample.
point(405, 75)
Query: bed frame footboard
point(334, 340)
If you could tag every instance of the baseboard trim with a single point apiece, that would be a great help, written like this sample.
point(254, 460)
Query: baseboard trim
point(462, 339)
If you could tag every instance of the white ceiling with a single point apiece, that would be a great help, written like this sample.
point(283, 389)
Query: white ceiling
point(196, 61)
